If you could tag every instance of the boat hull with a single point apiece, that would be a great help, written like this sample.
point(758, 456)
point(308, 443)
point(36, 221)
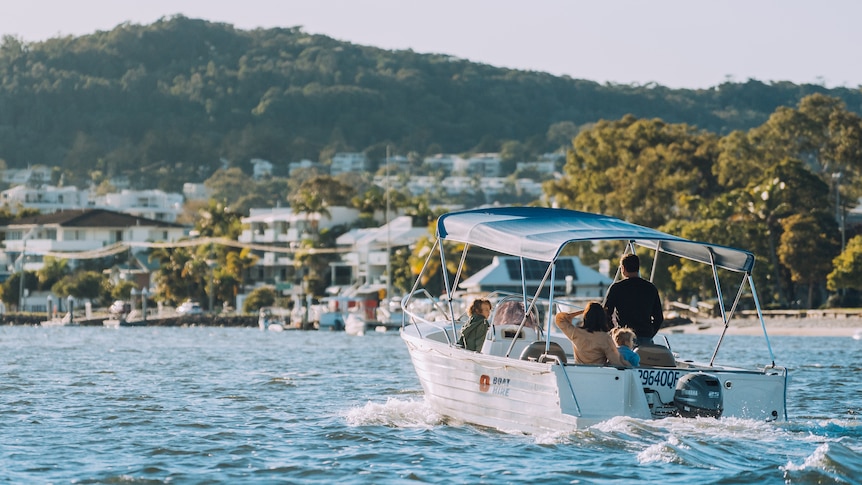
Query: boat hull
point(532, 397)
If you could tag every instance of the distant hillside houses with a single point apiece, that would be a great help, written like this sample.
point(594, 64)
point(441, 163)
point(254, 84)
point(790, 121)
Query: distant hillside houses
point(490, 186)
point(477, 165)
point(303, 164)
point(35, 175)
point(281, 227)
point(192, 191)
point(348, 162)
point(482, 171)
point(479, 172)
point(480, 164)
point(151, 204)
point(260, 168)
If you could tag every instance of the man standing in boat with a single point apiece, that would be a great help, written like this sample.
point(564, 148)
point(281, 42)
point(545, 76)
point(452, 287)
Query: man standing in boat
point(634, 302)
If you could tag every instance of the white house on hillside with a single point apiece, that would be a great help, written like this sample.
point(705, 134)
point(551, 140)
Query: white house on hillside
point(75, 234)
point(368, 257)
point(445, 163)
point(283, 228)
point(397, 163)
point(482, 165)
point(45, 198)
point(35, 175)
point(262, 168)
point(545, 167)
point(151, 204)
point(422, 184)
point(304, 163)
point(348, 162)
point(74, 231)
point(193, 191)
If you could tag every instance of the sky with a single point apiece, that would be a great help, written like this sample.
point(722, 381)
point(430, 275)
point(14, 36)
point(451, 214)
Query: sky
point(675, 43)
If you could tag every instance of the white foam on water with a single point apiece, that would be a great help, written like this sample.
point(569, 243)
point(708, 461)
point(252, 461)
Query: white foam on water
point(662, 452)
point(396, 413)
point(816, 460)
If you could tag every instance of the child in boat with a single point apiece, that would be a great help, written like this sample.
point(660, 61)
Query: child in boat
point(592, 342)
point(625, 340)
point(474, 331)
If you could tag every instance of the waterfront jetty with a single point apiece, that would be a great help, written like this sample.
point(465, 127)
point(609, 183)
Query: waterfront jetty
point(34, 319)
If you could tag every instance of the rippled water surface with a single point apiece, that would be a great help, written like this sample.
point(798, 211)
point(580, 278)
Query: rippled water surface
point(229, 405)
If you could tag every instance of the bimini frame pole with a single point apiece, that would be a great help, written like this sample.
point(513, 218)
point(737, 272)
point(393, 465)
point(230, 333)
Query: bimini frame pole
point(458, 275)
point(718, 291)
point(550, 306)
point(655, 261)
point(720, 296)
point(406, 300)
point(760, 315)
point(727, 320)
point(445, 273)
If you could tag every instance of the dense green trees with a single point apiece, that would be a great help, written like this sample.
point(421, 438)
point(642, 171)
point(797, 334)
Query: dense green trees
point(171, 102)
point(769, 190)
point(184, 100)
point(637, 169)
point(847, 271)
point(259, 298)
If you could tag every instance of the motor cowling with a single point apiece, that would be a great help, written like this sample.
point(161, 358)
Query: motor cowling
point(698, 394)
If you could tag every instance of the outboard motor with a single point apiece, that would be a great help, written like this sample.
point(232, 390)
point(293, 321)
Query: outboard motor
point(698, 394)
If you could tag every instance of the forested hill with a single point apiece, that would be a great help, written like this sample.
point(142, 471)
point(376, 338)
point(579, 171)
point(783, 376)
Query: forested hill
point(163, 103)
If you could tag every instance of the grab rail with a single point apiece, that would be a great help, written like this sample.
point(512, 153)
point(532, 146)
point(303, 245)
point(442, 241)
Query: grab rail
point(435, 306)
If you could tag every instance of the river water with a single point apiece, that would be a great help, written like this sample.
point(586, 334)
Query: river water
point(236, 405)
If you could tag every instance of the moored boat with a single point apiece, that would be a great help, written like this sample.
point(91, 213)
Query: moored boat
point(65, 321)
point(273, 319)
point(389, 314)
point(356, 323)
point(525, 377)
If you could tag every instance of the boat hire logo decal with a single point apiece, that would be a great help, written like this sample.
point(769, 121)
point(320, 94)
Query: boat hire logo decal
point(499, 385)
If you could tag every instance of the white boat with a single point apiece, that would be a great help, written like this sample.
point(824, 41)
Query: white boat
point(524, 378)
point(272, 319)
point(355, 323)
point(389, 314)
point(132, 319)
point(66, 321)
point(359, 314)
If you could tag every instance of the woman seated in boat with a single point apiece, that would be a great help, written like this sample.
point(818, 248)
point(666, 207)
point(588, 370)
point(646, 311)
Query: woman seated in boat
point(473, 333)
point(593, 344)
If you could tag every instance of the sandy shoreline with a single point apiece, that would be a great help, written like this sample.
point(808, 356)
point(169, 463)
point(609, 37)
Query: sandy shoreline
point(812, 327)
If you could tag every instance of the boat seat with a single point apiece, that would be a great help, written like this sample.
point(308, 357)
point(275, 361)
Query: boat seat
point(655, 355)
point(500, 337)
point(510, 331)
point(536, 351)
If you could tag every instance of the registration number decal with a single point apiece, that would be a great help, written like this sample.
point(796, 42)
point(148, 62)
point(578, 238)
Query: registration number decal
point(659, 378)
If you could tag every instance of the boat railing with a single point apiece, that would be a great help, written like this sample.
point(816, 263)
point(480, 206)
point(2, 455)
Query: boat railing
point(416, 314)
point(569, 305)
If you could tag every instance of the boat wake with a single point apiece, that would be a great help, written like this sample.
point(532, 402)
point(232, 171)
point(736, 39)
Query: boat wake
point(832, 462)
point(711, 444)
point(395, 413)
